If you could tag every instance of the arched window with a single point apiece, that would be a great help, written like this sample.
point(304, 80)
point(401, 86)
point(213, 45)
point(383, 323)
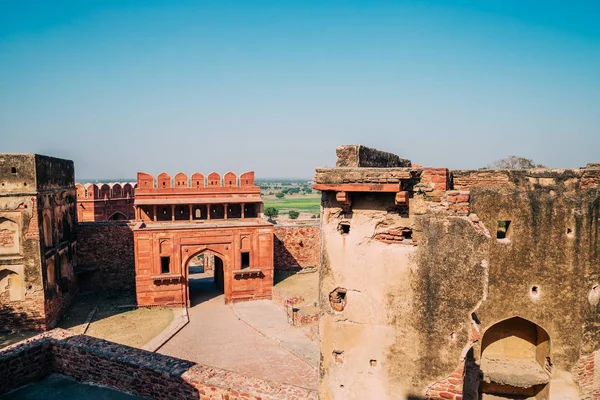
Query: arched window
point(50, 275)
point(47, 231)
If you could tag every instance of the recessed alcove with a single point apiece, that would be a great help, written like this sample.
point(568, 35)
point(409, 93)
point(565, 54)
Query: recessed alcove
point(515, 360)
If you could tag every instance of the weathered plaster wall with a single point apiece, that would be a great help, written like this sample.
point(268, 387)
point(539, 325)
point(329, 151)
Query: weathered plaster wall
point(37, 240)
point(421, 286)
point(21, 280)
point(355, 341)
point(105, 249)
point(296, 246)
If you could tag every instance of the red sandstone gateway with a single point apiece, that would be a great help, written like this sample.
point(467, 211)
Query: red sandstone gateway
point(219, 217)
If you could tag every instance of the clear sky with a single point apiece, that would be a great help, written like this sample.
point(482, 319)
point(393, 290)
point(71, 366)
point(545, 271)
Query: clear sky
point(274, 86)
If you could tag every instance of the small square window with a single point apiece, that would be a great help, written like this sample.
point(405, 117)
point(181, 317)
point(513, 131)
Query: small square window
point(245, 259)
point(503, 231)
point(344, 228)
point(165, 265)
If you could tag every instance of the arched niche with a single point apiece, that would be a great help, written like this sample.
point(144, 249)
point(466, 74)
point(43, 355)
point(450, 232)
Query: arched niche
point(9, 236)
point(516, 360)
point(47, 227)
point(50, 275)
point(11, 284)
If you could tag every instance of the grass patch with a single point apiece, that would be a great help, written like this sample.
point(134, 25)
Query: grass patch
point(305, 285)
point(308, 203)
point(131, 327)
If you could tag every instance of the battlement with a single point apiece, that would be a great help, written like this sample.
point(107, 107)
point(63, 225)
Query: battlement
point(196, 181)
point(111, 190)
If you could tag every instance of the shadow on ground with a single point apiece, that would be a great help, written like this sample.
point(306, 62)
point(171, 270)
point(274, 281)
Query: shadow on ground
point(202, 288)
point(108, 303)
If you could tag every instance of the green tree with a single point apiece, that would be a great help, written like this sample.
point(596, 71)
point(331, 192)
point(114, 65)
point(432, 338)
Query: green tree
point(271, 212)
point(280, 195)
point(293, 214)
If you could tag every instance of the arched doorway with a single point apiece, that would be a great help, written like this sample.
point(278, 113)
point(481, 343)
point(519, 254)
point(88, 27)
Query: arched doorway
point(118, 216)
point(515, 360)
point(205, 276)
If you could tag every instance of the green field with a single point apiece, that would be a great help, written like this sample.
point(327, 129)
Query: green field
point(307, 203)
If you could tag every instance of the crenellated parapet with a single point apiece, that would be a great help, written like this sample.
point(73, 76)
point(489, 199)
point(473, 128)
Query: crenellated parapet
point(197, 197)
point(105, 201)
point(111, 190)
point(197, 180)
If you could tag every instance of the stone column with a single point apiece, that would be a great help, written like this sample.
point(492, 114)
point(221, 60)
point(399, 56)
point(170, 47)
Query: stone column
point(243, 205)
point(154, 213)
point(173, 212)
point(261, 210)
point(191, 210)
point(208, 211)
point(225, 211)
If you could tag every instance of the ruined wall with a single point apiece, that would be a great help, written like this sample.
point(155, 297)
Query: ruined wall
point(363, 156)
point(358, 273)
point(37, 240)
point(57, 209)
point(105, 251)
point(296, 247)
point(411, 294)
point(21, 280)
point(99, 362)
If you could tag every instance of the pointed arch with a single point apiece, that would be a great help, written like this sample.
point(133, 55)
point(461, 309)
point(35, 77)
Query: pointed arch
point(521, 346)
point(118, 216)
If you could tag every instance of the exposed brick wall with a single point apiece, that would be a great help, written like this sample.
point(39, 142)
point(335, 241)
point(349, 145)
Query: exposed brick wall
point(586, 375)
point(465, 180)
point(25, 362)
point(437, 178)
point(108, 247)
point(450, 388)
point(136, 371)
point(591, 177)
point(296, 247)
point(27, 314)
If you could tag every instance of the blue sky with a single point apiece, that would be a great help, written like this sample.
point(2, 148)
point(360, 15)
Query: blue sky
point(275, 86)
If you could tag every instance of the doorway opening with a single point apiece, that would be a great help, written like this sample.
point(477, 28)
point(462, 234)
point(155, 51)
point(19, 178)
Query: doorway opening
point(205, 277)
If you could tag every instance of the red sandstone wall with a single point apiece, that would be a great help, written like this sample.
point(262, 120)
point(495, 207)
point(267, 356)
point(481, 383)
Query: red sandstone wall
point(296, 246)
point(107, 247)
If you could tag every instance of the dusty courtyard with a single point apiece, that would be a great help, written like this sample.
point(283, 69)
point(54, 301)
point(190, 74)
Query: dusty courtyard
point(251, 338)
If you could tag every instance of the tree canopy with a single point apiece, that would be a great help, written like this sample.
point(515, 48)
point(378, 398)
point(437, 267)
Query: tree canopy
point(271, 212)
point(293, 214)
point(514, 162)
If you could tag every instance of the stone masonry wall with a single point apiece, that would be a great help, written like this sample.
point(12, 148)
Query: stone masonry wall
point(296, 247)
point(131, 370)
point(25, 362)
point(107, 247)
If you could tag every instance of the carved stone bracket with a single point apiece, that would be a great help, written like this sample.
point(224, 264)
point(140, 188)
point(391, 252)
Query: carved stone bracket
point(344, 199)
